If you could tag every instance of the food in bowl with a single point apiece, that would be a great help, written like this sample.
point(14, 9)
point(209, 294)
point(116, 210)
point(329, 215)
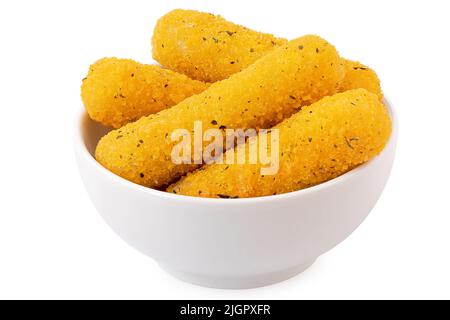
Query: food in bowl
point(270, 89)
point(320, 118)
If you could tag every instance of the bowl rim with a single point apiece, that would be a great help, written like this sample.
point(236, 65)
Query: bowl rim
point(81, 146)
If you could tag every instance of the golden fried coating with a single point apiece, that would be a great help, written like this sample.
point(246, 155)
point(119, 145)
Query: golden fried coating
point(207, 47)
point(319, 143)
point(358, 75)
point(118, 91)
point(262, 95)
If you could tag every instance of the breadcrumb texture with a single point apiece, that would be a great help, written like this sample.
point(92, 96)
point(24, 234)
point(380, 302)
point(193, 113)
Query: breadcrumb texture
point(206, 46)
point(319, 143)
point(209, 48)
point(262, 95)
point(118, 91)
point(358, 75)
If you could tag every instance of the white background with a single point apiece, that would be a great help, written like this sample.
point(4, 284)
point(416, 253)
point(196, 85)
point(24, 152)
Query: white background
point(53, 244)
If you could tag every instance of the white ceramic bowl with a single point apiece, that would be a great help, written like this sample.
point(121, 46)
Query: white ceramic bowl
point(232, 243)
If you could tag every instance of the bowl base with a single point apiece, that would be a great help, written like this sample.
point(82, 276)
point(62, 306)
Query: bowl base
point(244, 282)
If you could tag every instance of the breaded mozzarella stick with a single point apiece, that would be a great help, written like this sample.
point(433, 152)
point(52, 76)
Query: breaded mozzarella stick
point(118, 91)
point(317, 144)
point(207, 47)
